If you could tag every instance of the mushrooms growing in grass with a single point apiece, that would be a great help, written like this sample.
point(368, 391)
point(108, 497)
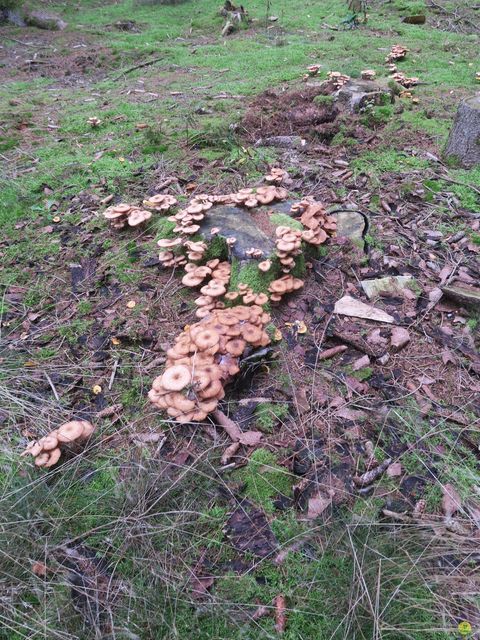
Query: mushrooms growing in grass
point(204, 358)
point(47, 450)
point(313, 69)
point(122, 214)
point(368, 74)
point(338, 79)
point(276, 175)
point(94, 122)
point(405, 81)
point(162, 202)
point(397, 52)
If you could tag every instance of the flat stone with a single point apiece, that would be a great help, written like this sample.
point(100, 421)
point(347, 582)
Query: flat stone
point(282, 142)
point(399, 338)
point(350, 224)
point(390, 284)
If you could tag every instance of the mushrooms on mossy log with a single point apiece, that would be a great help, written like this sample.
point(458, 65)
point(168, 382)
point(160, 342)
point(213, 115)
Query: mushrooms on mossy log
point(463, 144)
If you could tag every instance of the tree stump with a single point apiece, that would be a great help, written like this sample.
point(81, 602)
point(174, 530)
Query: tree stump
point(463, 143)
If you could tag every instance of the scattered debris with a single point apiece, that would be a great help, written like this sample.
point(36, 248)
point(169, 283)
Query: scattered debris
point(391, 284)
point(400, 338)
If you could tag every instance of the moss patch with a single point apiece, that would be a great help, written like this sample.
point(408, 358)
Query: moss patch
point(265, 480)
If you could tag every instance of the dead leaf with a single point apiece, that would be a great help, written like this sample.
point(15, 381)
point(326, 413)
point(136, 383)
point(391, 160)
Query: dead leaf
point(229, 452)
point(447, 356)
point(451, 502)
point(147, 437)
point(317, 505)
point(395, 470)
point(39, 569)
point(250, 438)
point(199, 586)
point(301, 400)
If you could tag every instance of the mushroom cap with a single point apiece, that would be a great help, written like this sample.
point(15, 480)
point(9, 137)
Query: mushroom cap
point(213, 288)
point(122, 208)
point(88, 429)
point(42, 459)
point(251, 332)
point(235, 347)
point(112, 214)
point(191, 229)
point(261, 299)
point(241, 312)
point(249, 298)
point(53, 458)
point(206, 339)
point(138, 216)
point(33, 448)
point(277, 286)
point(213, 263)
point(213, 390)
point(191, 280)
point(49, 442)
point(165, 243)
point(265, 265)
point(176, 378)
point(231, 295)
point(179, 401)
point(70, 431)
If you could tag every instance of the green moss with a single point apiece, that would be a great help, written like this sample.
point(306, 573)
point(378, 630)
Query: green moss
point(363, 374)
point(324, 101)
point(268, 415)
point(284, 220)
point(264, 479)
point(217, 248)
point(251, 275)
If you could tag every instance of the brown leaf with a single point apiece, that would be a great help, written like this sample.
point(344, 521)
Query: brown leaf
point(317, 505)
point(448, 356)
point(250, 438)
point(199, 586)
point(451, 501)
point(301, 400)
point(229, 452)
point(39, 569)
point(395, 470)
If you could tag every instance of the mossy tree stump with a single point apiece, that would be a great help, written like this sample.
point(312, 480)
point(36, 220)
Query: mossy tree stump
point(463, 143)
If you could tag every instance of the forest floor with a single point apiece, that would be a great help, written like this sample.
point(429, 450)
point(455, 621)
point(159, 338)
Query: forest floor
point(145, 533)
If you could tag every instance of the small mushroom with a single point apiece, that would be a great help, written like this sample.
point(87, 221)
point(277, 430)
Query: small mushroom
point(265, 265)
point(70, 431)
point(176, 378)
point(138, 216)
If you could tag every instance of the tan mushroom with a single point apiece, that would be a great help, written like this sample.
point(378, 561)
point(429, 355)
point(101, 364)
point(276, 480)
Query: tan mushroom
point(70, 431)
point(138, 216)
point(265, 265)
point(176, 378)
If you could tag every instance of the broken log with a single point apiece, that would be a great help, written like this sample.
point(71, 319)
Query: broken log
point(463, 144)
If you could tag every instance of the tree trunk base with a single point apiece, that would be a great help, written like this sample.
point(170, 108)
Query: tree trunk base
point(463, 143)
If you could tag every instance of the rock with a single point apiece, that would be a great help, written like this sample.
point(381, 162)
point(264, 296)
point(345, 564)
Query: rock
point(349, 306)
point(42, 20)
point(400, 338)
point(282, 142)
point(357, 94)
point(390, 284)
point(467, 297)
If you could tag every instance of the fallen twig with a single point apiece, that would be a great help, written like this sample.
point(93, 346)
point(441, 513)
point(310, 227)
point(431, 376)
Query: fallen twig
point(368, 477)
point(280, 613)
point(135, 67)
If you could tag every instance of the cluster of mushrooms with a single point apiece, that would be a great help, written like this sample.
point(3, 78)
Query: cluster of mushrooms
point(338, 79)
point(368, 74)
point(204, 358)
point(94, 122)
point(288, 244)
point(218, 275)
point(404, 80)
point(47, 452)
point(276, 175)
point(280, 287)
point(397, 52)
point(319, 225)
point(120, 215)
point(312, 71)
point(230, 322)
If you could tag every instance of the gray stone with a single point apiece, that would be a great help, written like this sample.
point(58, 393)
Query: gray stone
point(357, 94)
point(462, 296)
